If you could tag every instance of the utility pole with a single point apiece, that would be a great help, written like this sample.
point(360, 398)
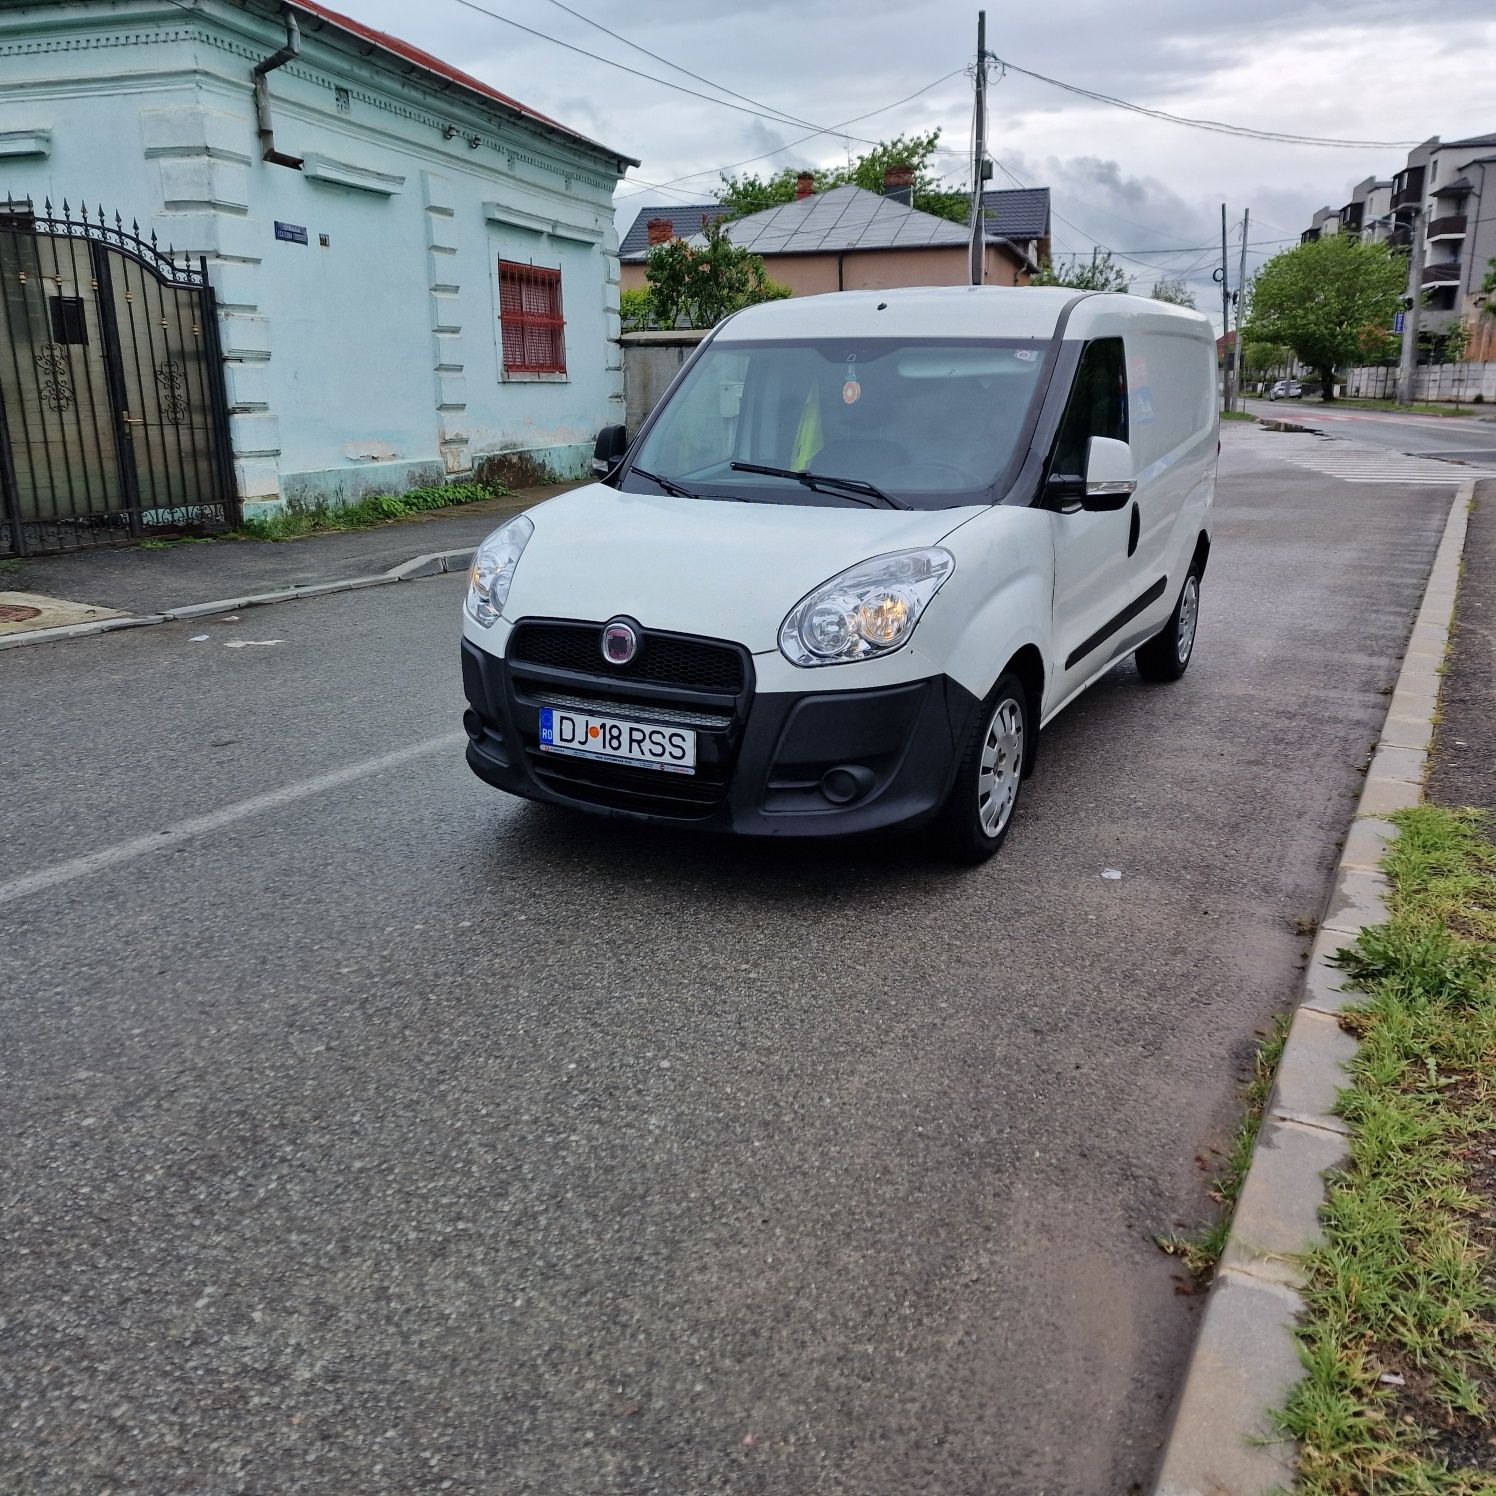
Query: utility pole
point(1407, 363)
point(1241, 302)
point(979, 160)
point(1225, 318)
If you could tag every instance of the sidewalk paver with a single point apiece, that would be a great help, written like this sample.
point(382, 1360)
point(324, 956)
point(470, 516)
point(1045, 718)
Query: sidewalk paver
point(133, 580)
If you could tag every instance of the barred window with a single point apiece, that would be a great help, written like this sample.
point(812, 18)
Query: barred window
point(534, 331)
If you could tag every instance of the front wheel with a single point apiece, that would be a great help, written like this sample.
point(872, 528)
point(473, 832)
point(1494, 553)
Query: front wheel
point(989, 775)
point(1166, 656)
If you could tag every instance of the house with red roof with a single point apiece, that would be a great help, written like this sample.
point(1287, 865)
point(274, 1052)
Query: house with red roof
point(408, 275)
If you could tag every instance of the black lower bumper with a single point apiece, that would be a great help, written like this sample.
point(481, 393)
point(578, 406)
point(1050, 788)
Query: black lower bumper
point(815, 763)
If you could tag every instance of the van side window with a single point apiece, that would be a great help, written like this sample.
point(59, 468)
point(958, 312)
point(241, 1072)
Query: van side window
point(1097, 405)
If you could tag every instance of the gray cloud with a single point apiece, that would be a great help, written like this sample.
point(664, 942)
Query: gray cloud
point(1369, 69)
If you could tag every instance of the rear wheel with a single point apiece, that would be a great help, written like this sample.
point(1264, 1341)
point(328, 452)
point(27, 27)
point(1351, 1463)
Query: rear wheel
point(989, 775)
point(1166, 656)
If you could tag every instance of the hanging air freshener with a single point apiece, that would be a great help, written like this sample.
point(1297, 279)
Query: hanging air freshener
point(851, 390)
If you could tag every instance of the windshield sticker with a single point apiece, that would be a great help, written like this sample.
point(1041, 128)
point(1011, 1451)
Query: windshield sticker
point(1025, 355)
point(851, 390)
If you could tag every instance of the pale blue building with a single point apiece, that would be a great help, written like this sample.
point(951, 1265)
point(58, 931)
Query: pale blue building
point(416, 277)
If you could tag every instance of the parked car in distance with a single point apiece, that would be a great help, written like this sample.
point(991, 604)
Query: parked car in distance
point(867, 545)
point(1286, 389)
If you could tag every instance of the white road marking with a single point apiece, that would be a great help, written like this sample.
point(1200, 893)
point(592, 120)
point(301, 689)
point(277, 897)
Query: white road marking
point(1353, 462)
point(214, 820)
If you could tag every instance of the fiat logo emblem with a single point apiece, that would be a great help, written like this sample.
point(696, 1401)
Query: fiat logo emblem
point(620, 642)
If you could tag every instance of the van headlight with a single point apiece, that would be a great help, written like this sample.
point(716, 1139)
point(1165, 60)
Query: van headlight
point(492, 571)
point(869, 609)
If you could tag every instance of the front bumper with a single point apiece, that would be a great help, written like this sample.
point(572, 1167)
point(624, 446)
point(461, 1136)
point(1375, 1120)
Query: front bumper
point(808, 763)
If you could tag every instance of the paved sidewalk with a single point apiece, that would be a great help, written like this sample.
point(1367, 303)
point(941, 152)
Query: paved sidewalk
point(140, 581)
point(1463, 770)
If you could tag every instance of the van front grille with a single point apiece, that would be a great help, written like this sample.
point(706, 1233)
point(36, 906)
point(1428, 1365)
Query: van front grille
point(663, 659)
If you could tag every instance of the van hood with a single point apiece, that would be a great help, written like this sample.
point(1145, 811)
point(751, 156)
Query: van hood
point(723, 568)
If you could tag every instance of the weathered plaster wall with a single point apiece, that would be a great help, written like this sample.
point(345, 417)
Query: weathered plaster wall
point(369, 362)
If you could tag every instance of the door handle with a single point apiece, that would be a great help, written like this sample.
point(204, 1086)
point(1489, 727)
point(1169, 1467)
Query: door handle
point(130, 420)
point(1134, 527)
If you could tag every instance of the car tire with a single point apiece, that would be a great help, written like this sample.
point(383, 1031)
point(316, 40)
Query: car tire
point(1166, 656)
point(983, 799)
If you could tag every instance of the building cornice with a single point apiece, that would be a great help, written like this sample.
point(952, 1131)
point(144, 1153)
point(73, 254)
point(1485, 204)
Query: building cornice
point(518, 140)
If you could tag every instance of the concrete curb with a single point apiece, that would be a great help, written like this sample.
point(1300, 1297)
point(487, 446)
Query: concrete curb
point(1245, 1361)
point(434, 564)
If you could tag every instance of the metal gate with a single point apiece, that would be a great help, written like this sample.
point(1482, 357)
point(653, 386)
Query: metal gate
point(113, 421)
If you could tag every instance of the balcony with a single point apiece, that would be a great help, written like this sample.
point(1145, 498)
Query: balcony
point(1446, 274)
point(1409, 189)
point(1451, 226)
point(1308, 236)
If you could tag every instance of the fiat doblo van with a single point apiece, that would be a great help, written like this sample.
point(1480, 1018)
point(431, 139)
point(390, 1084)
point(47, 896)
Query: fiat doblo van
point(864, 548)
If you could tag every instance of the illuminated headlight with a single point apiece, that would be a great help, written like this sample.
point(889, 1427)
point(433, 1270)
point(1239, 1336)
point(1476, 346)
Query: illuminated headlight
point(869, 609)
point(492, 571)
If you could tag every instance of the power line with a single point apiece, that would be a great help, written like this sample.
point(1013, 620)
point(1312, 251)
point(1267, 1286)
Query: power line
point(1220, 128)
point(710, 82)
point(789, 146)
point(777, 117)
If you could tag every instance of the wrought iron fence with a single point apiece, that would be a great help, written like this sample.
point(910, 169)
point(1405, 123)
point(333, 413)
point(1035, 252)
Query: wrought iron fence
point(113, 418)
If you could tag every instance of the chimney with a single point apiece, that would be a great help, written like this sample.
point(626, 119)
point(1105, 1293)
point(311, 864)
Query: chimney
point(660, 231)
point(805, 184)
point(898, 183)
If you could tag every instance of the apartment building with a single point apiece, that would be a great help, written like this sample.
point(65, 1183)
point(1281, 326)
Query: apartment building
point(1438, 195)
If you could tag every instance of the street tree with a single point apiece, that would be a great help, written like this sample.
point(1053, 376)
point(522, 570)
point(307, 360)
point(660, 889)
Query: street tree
point(1173, 290)
point(702, 285)
point(1265, 360)
point(751, 193)
point(1331, 301)
point(1100, 273)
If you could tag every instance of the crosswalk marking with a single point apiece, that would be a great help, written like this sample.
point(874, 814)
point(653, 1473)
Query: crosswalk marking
point(1350, 461)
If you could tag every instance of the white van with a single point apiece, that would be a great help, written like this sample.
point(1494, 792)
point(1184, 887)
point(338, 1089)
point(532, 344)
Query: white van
point(863, 549)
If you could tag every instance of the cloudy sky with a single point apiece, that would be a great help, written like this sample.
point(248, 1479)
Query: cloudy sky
point(1376, 70)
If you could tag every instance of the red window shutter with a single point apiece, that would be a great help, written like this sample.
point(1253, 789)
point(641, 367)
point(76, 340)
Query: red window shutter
point(530, 320)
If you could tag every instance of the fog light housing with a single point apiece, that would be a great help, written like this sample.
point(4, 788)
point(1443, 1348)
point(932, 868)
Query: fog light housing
point(846, 783)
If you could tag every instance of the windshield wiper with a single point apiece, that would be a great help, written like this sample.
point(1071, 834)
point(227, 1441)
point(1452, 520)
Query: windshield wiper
point(850, 487)
point(668, 484)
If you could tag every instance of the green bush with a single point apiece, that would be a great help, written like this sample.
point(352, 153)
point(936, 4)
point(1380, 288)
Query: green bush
point(634, 309)
point(699, 287)
point(374, 509)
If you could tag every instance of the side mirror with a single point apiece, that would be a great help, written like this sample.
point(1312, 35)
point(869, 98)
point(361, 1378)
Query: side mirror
point(1110, 483)
point(612, 443)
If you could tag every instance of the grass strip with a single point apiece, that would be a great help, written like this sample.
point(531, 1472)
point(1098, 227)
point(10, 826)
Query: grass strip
point(1399, 1337)
point(1419, 407)
point(300, 520)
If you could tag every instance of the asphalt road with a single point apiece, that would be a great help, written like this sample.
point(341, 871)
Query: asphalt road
point(1450, 437)
point(376, 1133)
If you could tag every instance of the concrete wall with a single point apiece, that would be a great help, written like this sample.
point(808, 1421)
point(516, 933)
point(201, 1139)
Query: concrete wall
point(1448, 382)
point(370, 362)
point(870, 270)
point(650, 361)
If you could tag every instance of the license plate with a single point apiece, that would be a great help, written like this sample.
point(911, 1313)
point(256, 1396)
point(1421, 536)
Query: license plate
point(645, 745)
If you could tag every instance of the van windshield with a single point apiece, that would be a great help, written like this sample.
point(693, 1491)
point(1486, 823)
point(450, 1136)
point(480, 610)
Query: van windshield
point(932, 425)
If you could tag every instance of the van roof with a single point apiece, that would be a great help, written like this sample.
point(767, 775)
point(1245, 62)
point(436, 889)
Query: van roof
point(932, 312)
